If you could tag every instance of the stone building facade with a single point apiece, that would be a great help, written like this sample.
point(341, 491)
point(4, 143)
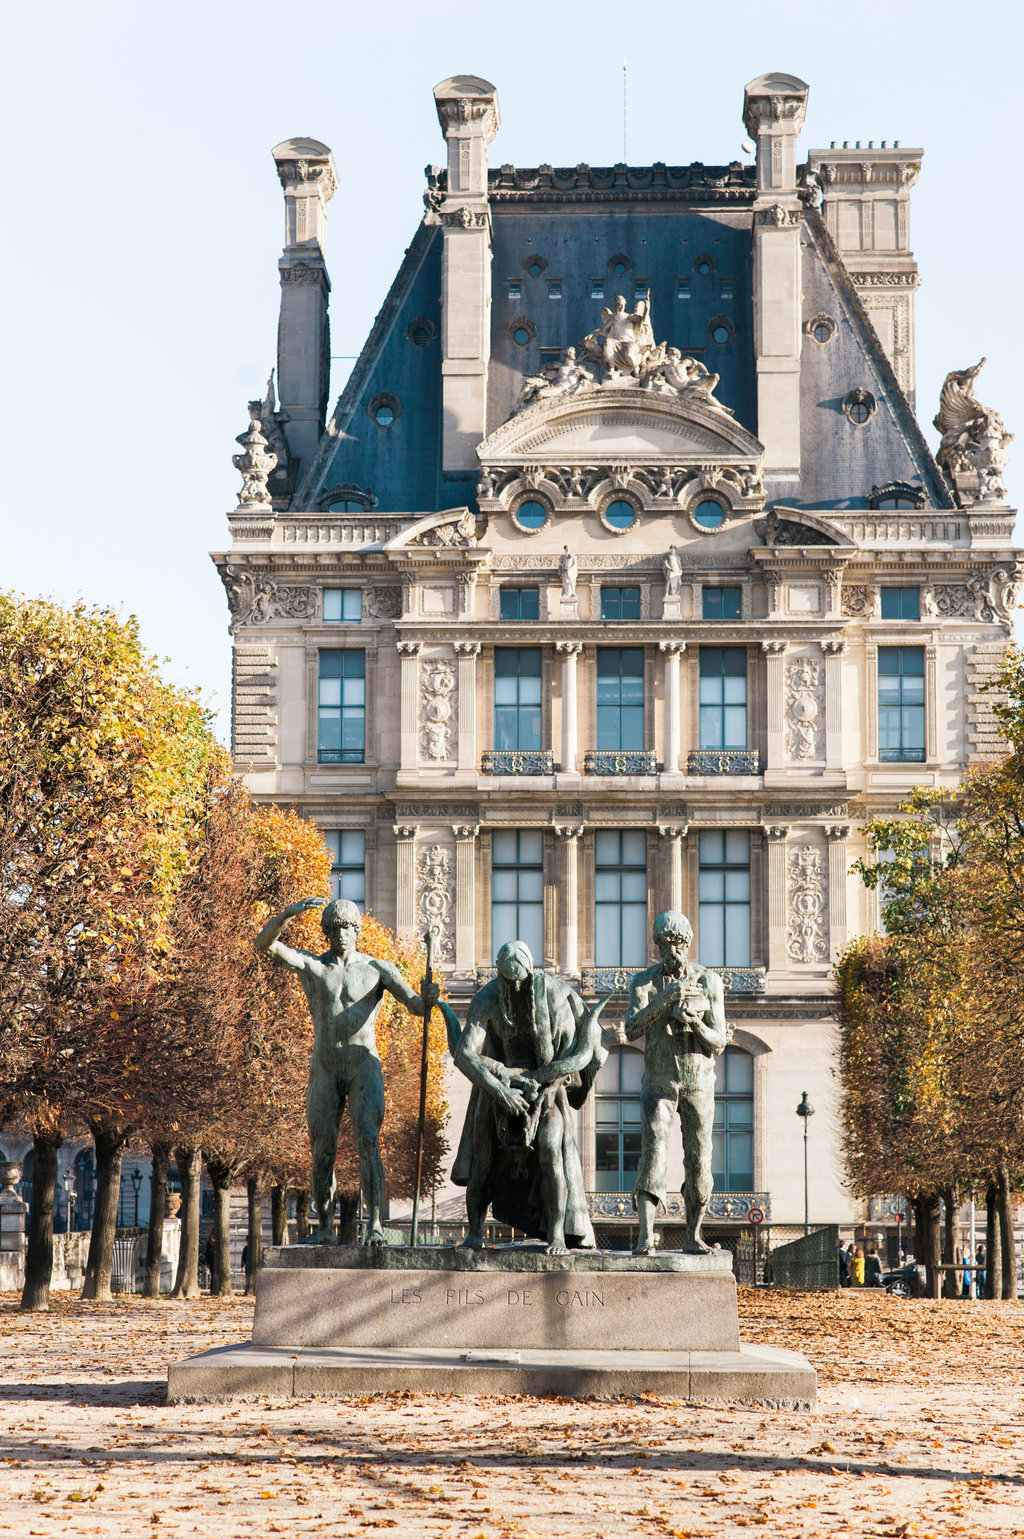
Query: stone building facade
point(578, 608)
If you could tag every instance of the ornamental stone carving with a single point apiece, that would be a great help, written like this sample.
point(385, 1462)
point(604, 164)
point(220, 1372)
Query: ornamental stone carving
point(435, 886)
point(255, 463)
point(975, 446)
point(808, 897)
point(437, 708)
point(989, 597)
point(382, 603)
point(258, 600)
point(860, 600)
point(457, 533)
point(804, 699)
point(568, 377)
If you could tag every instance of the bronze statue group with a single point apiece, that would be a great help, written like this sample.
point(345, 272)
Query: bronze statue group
point(532, 1051)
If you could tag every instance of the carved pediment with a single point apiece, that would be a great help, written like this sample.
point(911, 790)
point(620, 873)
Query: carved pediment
point(609, 425)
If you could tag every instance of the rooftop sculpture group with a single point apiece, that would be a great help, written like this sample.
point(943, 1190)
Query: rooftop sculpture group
point(975, 446)
point(622, 351)
point(532, 1051)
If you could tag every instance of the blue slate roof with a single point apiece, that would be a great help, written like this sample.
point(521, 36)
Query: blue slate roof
point(682, 232)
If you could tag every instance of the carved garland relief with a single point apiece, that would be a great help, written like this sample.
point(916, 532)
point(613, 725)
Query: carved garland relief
point(437, 708)
point(804, 698)
point(435, 884)
point(807, 939)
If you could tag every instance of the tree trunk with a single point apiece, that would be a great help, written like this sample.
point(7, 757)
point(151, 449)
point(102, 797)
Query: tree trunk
point(39, 1257)
point(254, 1238)
point(1007, 1249)
point(279, 1214)
point(221, 1176)
point(926, 1214)
point(348, 1204)
point(952, 1281)
point(161, 1154)
point(993, 1247)
point(190, 1168)
point(302, 1213)
point(109, 1156)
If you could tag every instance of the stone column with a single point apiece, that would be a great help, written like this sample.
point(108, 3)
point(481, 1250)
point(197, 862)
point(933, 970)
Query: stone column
point(833, 649)
point(672, 650)
point(405, 878)
point(309, 178)
point(773, 113)
point(569, 651)
point(673, 837)
point(838, 861)
point(467, 653)
point(467, 109)
point(465, 896)
point(569, 900)
point(776, 838)
point(775, 651)
point(409, 652)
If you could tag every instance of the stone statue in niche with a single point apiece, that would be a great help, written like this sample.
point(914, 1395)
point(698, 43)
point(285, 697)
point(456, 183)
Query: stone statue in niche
point(623, 341)
point(568, 571)
point(673, 569)
point(680, 1008)
point(532, 1051)
point(344, 990)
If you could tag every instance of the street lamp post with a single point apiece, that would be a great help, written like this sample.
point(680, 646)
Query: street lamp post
point(136, 1184)
point(69, 1195)
point(806, 1111)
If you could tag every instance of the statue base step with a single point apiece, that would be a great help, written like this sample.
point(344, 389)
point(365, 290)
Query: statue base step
point(510, 1298)
point(753, 1375)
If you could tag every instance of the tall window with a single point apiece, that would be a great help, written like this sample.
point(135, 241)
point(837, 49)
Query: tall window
point(901, 704)
point(519, 604)
point(343, 603)
point(348, 864)
point(341, 717)
point(517, 676)
point(620, 887)
point(723, 697)
point(517, 889)
point(620, 603)
point(620, 697)
point(733, 1139)
point(724, 898)
point(722, 603)
point(901, 603)
point(617, 1115)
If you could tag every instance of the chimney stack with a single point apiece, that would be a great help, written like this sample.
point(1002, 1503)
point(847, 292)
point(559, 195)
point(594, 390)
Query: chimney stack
point(309, 178)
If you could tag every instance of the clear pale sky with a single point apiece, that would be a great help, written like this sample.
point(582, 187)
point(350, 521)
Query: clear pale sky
point(144, 222)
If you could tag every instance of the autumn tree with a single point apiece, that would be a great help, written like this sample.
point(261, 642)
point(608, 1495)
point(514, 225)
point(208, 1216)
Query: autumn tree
point(97, 764)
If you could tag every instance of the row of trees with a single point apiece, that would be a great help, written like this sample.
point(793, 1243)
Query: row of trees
point(134, 872)
point(931, 1014)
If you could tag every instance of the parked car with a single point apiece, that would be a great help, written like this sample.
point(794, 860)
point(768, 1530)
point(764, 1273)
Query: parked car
point(905, 1281)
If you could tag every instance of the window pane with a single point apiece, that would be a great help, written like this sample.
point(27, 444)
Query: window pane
point(736, 847)
point(632, 1070)
point(737, 935)
point(735, 726)
point(504, 886)
point(503, 847)
point(634, 849)
point(631, 735)
point(330, 691)
point(634, 935)
point(712, 727)
point(606, 848)
point(712, 935)
point(711, 886)
point(712, 847)
point(531, 929)
point(332, 604)
point(531, 847)
point(737, 886)
point(606, 940)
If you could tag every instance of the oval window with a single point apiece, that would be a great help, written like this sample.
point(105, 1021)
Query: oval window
point(520, 336)
point(720, 334)
point(620, 514)
point(619, 269)
point(532, 515)
point(822, 332)
point(535, 269)
point(704, 268)
point(708, 514)
point(384, 416)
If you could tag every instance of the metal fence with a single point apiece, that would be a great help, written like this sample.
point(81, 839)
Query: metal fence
point(811, 1261)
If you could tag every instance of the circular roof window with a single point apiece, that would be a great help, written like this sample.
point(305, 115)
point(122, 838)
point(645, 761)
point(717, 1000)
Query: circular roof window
point(708, 514)
point(531, 514)
point(620, 514)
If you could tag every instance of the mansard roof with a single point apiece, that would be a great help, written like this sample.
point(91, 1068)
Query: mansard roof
point(684, 233)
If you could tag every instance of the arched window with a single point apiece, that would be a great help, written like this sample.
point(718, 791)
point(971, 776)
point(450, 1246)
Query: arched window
point(733, 1157)
point(617, 1115)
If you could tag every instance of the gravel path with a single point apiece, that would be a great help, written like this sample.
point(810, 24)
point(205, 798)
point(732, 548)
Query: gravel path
point(919, 1431)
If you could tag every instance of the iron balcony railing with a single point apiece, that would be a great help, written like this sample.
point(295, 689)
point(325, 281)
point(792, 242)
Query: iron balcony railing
point(517, 761)
point(724, 1207)
point(723, 761)
point(341, 756)
point(619, 761)
point(619, 980)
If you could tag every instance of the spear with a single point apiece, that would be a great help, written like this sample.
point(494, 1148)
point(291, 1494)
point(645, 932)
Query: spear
point(428, 977)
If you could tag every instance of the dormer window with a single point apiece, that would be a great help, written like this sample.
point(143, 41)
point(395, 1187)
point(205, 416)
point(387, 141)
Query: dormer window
point(895, 494)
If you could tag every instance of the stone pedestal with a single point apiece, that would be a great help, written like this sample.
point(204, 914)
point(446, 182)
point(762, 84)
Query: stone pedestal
point(505, 1320)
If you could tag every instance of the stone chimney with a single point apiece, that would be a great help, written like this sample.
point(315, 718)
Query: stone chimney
point(866, 207)
point(309, 178)
point(467, 108)
point(773, 114)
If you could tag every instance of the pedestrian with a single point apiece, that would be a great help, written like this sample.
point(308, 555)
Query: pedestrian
point(844, 1268)
point(872, 1268)
point(982, 1278)
point(857, 1268)
point(210, 1255)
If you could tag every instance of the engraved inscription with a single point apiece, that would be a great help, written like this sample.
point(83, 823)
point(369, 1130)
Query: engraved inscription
point(460, 1296)
point(588, 1299)
point(406, 1296)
